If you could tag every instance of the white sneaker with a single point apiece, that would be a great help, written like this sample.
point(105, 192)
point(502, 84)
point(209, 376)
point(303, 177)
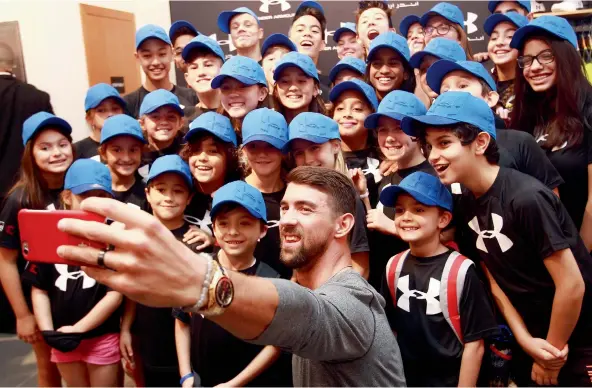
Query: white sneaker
point(567, 5)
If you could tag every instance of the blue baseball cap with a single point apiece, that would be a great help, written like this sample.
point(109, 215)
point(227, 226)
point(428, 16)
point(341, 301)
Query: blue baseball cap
point(497, 18)
point(357, 85)
point(350, 63)
point(345, 27)
point(243, 69)
point(171, 163)
point(310, 4)
point(214, 123)
point(121, 125)
point(396, 105)
point(203, 42)
point(440, 48)
point(242, 194)
point(314, 127)
point(266, 125)
point(524, 4)
point(554, 25)
point(86, 175)
point(41, 120)
point(100, 92)
point(407, 22)
point(390, 40)
point(453, 108)
point(448, 11)
point(151, 31)
point(443, 67)
point(277, 40)
point(176, 26)
point(225, 17)
point(159, 98)
point(423, 187)
point(295, 59)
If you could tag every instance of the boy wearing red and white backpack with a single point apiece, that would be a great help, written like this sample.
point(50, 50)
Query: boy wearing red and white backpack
point(435, 302)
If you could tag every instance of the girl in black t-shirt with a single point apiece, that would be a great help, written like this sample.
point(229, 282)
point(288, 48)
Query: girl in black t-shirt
point(70, 306)
point(554, 104)
point(47, 155)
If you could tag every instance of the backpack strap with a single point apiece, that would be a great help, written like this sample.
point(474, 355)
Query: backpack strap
point(393, 270)
point(451, 289)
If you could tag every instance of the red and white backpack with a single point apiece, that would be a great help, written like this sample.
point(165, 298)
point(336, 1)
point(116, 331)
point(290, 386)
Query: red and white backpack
point(451, 285)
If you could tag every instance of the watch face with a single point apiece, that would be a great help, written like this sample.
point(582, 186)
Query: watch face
point(224, 292)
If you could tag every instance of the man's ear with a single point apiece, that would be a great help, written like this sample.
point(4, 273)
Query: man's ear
point(481, 143)
point(492, 98)
point(344, 224)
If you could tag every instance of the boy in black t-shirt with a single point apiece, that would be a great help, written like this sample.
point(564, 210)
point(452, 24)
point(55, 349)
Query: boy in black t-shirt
point(154, 53)
point(218, 357)
point(539, 270)
point(435, 301)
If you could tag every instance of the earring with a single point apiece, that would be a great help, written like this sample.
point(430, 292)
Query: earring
point(258, 240)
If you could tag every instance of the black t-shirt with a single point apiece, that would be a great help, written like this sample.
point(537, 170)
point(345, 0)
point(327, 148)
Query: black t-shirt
point(268, 249)
point(198, 212)
point(359, 239)
point(217, 356)
point(572, 163)
point(368, 161)
point(148, 157)
point(87, 149)
point(325, 85)
point(133, 100)
point(155, 329)
point(518, 150)
point(135, 195)
point(513, 228)
point(423, 334)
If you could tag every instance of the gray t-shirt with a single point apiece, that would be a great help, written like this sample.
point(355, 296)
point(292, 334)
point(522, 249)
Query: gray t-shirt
point(338, 333)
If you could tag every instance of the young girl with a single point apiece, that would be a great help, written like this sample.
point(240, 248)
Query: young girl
point(243, 87)
point(273, 49)
point(297, 86)
point(353, 101)
point(102, 101)
point(211, 152)
point(265, 133)
point(446, 20)
point(314, 141)
point(411, 28)
point(47, 156)
point(501, 29)
point(553, 100)
point(121, 147)
point(70, 306)
point(388, 65)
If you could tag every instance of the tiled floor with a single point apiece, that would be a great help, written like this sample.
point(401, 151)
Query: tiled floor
point(17, 363)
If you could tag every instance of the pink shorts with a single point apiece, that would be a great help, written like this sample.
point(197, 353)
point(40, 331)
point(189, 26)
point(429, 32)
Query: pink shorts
point(103, 350)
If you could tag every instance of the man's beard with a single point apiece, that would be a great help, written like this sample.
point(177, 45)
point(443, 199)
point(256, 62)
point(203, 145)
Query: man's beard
point(307, 252)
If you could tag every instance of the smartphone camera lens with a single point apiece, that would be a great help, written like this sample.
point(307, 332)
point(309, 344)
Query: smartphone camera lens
point(26, 248)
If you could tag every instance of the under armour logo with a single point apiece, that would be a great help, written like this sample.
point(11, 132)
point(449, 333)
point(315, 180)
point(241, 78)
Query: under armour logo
point(62, 280)
point(543, 139)
point(498, 223)
point(266, 3)
point(373, 169)
point(204, 224)
point(273, 224)
point(470, 23)
point(227, 42)
point(432, 304)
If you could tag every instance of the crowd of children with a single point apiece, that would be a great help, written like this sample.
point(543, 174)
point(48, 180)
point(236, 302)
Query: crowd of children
point(474, 205)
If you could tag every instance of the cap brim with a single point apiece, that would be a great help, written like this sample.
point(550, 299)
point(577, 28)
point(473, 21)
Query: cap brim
point(494, 20)
point(521, 34)
point(407, 22)
point(197, 45)
point(410, 125)
point(371, 121)
point(81, 189)
point(217, 81)
point(439, 70)
point(342, 66)
point(224, 20)
point(195, 131)
point(311, 4)
point(282, 66)
point(375, 49)
point(276, 143)
point(339, 31)
point(388, 196)
point(174, 106)
point(217, 207)
point(165, 171)
point(151, 37)
point(55, 122)
point(181, 24)
point(424, 19)
point(415, 60)
point(278, 41)
point(120, 100)
point(311, 138)
point(142, 139)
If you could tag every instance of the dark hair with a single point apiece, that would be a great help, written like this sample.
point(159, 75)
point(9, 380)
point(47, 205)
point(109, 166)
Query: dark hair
point(315, 13)
point(408, 85)
point(182, 31)
point(364, 5)
point(338, 187)
point(561, 112)
point(233, 172)
point(467, 134)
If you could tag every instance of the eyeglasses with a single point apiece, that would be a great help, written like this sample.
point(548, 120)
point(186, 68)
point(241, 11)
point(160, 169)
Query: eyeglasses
point(543, 58)
point(442, 29)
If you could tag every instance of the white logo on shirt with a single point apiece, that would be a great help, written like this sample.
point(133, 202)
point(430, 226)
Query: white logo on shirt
point(373, 168)
point(62, 280)
point(432, 304)
point(543, 138)
point(204, 224)
point(498, 223)
point(1, 226)
point(266, 3)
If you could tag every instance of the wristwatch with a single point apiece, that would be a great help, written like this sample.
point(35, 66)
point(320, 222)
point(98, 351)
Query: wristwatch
point(220, 292)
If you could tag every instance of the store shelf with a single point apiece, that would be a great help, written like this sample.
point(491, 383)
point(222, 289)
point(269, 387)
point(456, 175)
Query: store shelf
point(577, 14)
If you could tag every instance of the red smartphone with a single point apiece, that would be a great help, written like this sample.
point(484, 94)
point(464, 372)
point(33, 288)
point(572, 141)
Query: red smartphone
point(40, 236)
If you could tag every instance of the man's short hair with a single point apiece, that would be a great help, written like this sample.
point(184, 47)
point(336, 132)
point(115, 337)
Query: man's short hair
point(364, 5)
point(338, 187)
point(315, 13)
point(182, 31)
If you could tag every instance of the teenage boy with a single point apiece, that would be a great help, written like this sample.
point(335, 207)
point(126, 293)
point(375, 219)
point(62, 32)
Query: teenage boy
point(347, 42)
point(435, 301)
point(517, 149)
point(244, 29)
point(239, 222)
point(155, 54)
point(204, 58)
point(168, 192)
point(272, 50)
point(539, 270)
point(181, 33)
point(347, 69)
point(372, 19)
point(521, 7)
